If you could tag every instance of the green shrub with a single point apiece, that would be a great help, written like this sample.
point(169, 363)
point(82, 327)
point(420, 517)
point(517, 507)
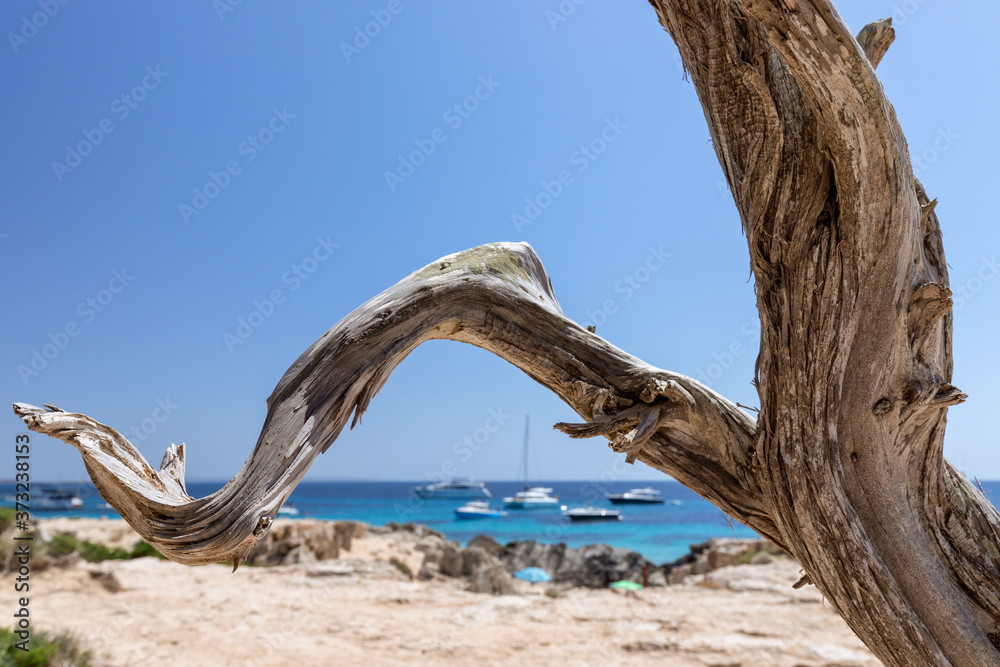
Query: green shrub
point(46, 650)
point(402, 567)
point(65, 543)
point(6, 518)
point(95, 553)
point(61, 545)
point(143, 549)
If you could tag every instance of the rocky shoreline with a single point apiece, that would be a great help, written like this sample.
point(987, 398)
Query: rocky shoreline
point(425, 554)
point(488, 565)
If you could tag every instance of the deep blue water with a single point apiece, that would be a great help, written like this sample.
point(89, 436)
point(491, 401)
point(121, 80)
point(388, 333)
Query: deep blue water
point(659, 532)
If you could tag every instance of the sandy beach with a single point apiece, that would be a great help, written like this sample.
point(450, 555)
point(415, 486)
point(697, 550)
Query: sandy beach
point(362, 609)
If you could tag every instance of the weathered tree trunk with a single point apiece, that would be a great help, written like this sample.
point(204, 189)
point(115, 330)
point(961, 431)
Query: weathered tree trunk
point(844, 467)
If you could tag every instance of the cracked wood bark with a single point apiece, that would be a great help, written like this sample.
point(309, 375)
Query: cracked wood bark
point(855, 358)
point(844, 468)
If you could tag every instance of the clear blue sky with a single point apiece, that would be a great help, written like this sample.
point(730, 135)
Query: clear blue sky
point(308, 129)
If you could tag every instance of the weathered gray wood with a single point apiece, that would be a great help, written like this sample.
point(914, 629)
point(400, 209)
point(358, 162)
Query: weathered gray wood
point(844, 466)
point(855, 361)
point(497, 297)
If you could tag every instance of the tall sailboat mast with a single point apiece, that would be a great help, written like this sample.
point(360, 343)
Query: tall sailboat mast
point(525, 454)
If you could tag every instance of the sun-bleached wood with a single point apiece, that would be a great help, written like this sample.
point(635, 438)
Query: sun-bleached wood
point(497, 297)
point(843, 467)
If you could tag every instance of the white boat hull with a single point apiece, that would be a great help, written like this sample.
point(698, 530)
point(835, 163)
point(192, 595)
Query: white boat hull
point(511, 503)
point(451, 494)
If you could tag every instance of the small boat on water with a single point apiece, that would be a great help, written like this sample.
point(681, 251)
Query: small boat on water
point(288, 510)
point(593, 514)
point(636, 496)
point(535, 498)
point(51, 499)
point(454, 489)
point(478, 509)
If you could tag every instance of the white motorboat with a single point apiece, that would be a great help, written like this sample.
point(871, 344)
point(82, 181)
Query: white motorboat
point(454, 489)
point(636, 496)
point(535, 498)
point(478, 509)
point(51, 500)
point(593, 514)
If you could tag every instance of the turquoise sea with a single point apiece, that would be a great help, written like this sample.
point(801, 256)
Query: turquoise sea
point(661, 533)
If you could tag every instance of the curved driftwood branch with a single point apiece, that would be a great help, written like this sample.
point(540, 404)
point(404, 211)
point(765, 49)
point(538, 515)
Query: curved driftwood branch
point(497, 297)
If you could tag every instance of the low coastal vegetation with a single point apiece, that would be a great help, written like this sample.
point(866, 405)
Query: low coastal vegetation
point(6, 518)
point(65, 544)
point(402, 567)
point(46, 649)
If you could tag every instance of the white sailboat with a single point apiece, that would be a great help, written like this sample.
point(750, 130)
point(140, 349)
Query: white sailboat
point(457, 488)
point(533, 497)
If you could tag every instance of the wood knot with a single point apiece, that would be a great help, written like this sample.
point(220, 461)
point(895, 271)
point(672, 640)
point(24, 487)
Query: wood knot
point(882, 406)
point(263, 524)
point(911, 392)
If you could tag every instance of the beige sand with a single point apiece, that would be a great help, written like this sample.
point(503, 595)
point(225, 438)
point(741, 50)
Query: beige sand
point(360, 610)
